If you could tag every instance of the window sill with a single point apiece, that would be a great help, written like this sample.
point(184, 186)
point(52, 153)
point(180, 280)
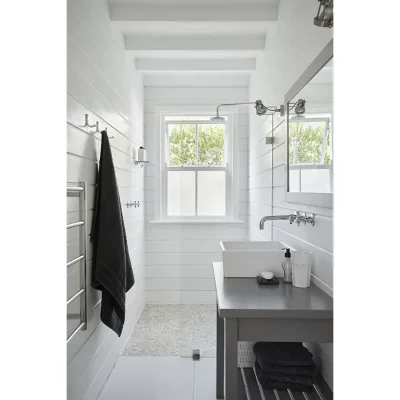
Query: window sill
point(196, 221)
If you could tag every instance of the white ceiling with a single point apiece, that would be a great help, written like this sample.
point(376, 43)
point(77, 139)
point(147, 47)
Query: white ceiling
point(222, 35)
point(230, 28)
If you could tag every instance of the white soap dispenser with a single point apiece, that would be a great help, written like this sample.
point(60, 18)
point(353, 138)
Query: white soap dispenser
point(287, 267)
point(142, 154)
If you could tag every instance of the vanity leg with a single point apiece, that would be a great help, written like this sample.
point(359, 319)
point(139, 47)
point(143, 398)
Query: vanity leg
point(220, 356)
point(231, 359)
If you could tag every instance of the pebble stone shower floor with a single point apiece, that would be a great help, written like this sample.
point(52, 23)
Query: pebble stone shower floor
point(176, 330)
point(173, 330)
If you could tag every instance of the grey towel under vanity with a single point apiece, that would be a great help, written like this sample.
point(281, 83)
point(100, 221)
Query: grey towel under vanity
point(111, 266)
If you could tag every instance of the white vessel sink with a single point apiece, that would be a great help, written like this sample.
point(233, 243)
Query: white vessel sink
point(243, 259)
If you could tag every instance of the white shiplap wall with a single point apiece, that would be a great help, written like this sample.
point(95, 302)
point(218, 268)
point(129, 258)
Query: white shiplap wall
point(102, 82)
point(178, 257)
point(290, 48)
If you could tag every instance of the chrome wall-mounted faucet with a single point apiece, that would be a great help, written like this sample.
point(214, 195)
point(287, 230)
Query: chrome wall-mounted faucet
point(298, 218)
point(291, 218)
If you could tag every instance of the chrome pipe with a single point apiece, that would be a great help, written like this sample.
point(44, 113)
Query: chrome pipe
point(80, 191)
point(83, 250)
point(74, 316)
point(75, 189)
point(73, 225)
point(291, 218)
point(75, 332)
point(75, 296)
point(75, 260)
point(232, 104)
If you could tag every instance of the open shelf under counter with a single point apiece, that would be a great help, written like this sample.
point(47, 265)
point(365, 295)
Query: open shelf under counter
point(250, 389)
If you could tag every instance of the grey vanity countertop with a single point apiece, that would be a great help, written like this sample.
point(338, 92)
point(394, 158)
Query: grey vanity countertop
point(244, 298)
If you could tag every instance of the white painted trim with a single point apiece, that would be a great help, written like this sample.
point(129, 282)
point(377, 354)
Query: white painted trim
point(324, 200)
point(207, 80)
point(199, 64)
point(232, 159)
point(127, 12)
point(195, 43)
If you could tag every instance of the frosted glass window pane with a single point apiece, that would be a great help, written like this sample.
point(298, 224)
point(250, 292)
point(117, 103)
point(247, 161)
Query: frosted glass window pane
point(181, 192)
point(294, 180)
point(211, 193)
point(315, 181)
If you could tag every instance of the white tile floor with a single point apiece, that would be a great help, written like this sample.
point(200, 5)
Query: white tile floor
point(166, 378)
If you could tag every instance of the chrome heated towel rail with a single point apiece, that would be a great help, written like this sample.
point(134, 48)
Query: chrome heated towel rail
point(80, 192)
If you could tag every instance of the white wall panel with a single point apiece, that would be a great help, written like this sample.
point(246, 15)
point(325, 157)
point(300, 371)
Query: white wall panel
point(185, 271)
point(182, 246)
point(181, 297)
point(182, 258)
point(183, 284)
point(103, 84)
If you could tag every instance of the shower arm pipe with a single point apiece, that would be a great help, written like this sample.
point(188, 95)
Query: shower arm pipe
point(232, 104)
point(260, 108)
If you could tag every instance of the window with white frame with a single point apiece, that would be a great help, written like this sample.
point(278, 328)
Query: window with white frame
point(196, 167)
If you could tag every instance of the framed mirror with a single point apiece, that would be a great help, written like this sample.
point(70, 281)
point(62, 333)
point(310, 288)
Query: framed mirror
point(310, 134)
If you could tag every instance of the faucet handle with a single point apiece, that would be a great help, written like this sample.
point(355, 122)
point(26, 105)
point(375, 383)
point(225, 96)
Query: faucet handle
point(310, 219)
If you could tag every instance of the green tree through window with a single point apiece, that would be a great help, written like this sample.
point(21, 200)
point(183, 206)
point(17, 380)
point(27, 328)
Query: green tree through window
point(182, 144)
point(310, 138)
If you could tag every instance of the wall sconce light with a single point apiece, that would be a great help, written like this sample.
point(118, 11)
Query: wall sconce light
point(324, 18)
point(299, 107)
point(262, 110)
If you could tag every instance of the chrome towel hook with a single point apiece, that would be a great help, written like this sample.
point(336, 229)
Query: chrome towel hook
point(87, 122)
point(99, 131)
point(87, 125)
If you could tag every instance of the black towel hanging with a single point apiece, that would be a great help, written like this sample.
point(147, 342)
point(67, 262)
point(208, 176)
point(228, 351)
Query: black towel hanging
point(111, 266)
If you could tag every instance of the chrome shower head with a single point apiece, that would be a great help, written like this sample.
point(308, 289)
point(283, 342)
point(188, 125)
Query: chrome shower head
point(297, 118)
point(217, 118)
